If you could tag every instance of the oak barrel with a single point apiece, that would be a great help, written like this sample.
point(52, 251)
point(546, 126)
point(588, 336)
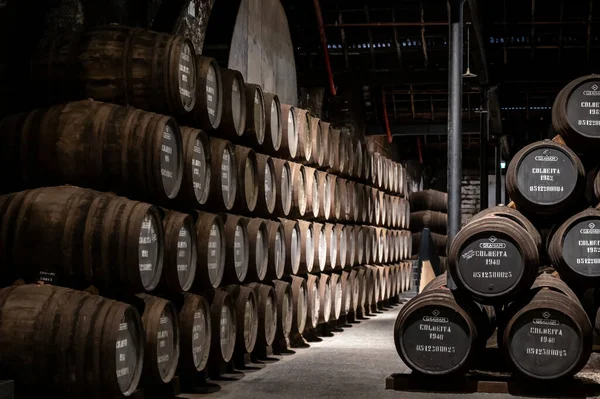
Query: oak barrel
point(195, 183)
point(545, 178)
point(267, 187)
point(208, 109)
point(212, 245)
point(237, 249)
point(293, 245)
point(224, 175)
point(575, 248)
point(195, 330)
point(277, 250)
point(283, 181)
point(437, 222)
point(313, 201)
point(258, 254)
point(299, 303)
point(313, 301)
point(223, 317)
point(82, 237)
point(122, 65)
point(515, 216)
point(298, 187)
point(429, 200)
point(304, 136)
point(576, 113)
point(307, 247)
point(325, 294)
point(256, 116)
point(246, 308)
point(341, 242)
point(320, 246)
point(273, 124)
point(248, 179)
point(125, 150)
point(337, 297)
point(331, 246)
point(267, 313)
point(439, 242)
point(179, 269)
point(233, 119)
point(289, 133)
point(494, 259)
point(318, 145)
point(285, 308)
point(39, 350)
point(548, 334)
point(161, 354)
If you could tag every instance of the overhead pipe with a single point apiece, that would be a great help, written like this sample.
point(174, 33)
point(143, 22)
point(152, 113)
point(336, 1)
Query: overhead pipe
point(386, 118)
point(455, 82)
point(324, 45)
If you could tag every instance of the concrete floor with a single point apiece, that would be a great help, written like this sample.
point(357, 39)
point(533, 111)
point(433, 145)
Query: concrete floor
point(351, 364)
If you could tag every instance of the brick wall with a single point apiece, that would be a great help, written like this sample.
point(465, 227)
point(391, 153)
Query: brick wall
point(470, 190)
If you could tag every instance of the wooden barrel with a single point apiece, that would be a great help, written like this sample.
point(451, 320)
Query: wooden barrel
point(161, 354)
point(575, 114)
point(350, 245)
point(312, 193)
point(195, 183)
point(328, 147)
point(361, 202)
point(307, 247)
point(575, 248)
point(246, 309)
point(128, 151)
point(429, 200)
point(515, 216)
point(248, 180)
point(358, 160)
point(256, 116)
point(367, 165)
point(340, 198)
point(359, 244)
point(354, 288)
point(372, 285)
point(434, 221)
point(77, 245)
point(208, 109)
point(277, 250)
point(337, 297)
point(494, 259)
point(545, 178)
point(224, 175)
point(267, 187)
point(179, 268)
point(258, 254)
point(212, 245)
point(313, 301)
point(61, 360)
point(592, 188)
point(223, 317)
point(548, 334)
point(367, 245)
point(350, 167)
point(237, 249)
point(267, 313)
point(332, 246)
point(273, 124)
point(285, 308)
point(305, 139)
point(439, 242)
point(325, 198)
point(299, 303)
point(293, 245)
point(376, 203)
point(194, 324)
point(337, 152)
point(326, 296)
point(233, 119)
point(346, 295)
point(289, 148)
point(436, 335)
point(353, 206)
point(341, 238)
point(298, 187)
point(320, 246)
point(319, 150)
point(122, 65)
point(361, 279)
point(283, 182)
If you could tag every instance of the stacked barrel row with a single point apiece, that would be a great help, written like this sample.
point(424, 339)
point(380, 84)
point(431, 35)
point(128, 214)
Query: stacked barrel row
point(218, 221)
point(429, 209)
point(530, 269)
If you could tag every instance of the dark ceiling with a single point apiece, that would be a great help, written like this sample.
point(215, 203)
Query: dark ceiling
point(395, 53)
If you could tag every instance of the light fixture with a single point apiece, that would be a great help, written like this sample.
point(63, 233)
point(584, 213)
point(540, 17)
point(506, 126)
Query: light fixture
point(468, 74)
point(502, 165)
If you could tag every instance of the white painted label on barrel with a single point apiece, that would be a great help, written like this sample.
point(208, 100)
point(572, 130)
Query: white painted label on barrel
point(225, 332)
point(249, 321)
point(581, 248)
point(184, 256)
point(546, 176)
point(226, 183)
point(435, 338)
point(544, 342)
point(165, 338)
point(583, 109)
point(214, 252)
point(169, 159)
point(212, 94)
point(187, 77)
point(239, 248)
point(147, 250)
point(198, 337)
point(490, 265)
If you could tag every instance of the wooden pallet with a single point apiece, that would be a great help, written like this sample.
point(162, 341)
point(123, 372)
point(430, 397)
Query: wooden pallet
point(501, 381)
